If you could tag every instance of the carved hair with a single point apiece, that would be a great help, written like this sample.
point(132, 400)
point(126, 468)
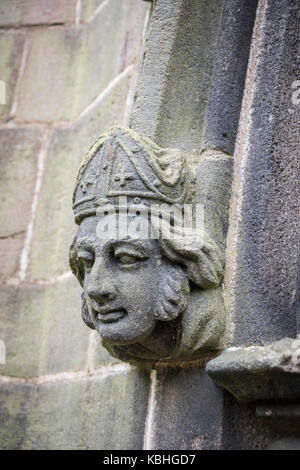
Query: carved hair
point(174, 292)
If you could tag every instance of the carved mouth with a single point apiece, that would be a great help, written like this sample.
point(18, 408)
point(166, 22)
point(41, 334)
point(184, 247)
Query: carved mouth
point(110, 316)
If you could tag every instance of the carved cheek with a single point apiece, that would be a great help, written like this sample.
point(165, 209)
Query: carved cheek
point(138, 286)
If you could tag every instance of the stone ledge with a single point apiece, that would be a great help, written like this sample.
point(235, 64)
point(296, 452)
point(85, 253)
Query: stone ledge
point(260, 373)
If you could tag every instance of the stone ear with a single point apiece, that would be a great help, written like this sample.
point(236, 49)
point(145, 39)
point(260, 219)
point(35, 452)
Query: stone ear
point(85, 313)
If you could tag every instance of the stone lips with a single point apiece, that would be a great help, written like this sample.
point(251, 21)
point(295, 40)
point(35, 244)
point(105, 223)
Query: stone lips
point(122, 163)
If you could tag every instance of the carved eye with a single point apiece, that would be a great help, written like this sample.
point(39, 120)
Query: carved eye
point(127, 259)
point(87, 259)
point(128, 256)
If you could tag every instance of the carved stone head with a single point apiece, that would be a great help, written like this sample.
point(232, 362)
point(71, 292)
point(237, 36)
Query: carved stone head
point(144, 285)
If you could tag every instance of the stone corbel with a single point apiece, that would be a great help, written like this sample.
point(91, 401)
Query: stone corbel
point(268, 376)
point(260, 373)
point(158, 296)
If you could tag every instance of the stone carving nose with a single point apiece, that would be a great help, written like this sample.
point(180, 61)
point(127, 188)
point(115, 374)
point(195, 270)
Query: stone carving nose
point(105, 290)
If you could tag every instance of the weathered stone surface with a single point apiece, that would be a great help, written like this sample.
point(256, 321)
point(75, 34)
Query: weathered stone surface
point(54, 229)
point(19, 149)
point(282, 418)
point(176, 71)
point(41, 323)
point(213, 189)
point(60, 87)
point(14, 406)
point(88, 9)
point(99, 412)
point(42, 329)
point(229, 71)
point(192, 79)
point(265, 224)
point(291, 443)
point(100, 355)
point(10, 250)
point(242, 429)
point(298, 298)
point(188, 410)
point(270, 373)
point(33, 12)
point(11, 49)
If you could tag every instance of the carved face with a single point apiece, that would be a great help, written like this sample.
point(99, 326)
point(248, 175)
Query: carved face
point(137, 291)
point(121, 283)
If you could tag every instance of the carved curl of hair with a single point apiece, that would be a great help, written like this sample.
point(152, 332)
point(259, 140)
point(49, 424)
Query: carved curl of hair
point(174, 292)
point(197, 252)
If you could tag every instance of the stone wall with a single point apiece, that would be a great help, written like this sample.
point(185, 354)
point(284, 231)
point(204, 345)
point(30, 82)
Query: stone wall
point(70, 69)
point(213, 76)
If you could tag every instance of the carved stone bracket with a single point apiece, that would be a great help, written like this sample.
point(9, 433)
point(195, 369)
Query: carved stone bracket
point(260, 373)
point(149, 252)
point(269, 376)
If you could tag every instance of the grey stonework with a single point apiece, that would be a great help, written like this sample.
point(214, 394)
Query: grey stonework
point(219, 82)
point(263, 243)
point(260, 373)
point(265, 127)
point(192, 76)
point(55, 373)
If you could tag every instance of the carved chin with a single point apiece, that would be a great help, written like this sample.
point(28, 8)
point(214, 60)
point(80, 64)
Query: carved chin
point(125, 330)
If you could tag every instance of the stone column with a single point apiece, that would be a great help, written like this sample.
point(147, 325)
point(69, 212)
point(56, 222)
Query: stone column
point(262, 257)
point(263, 242)
point(189, 96)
